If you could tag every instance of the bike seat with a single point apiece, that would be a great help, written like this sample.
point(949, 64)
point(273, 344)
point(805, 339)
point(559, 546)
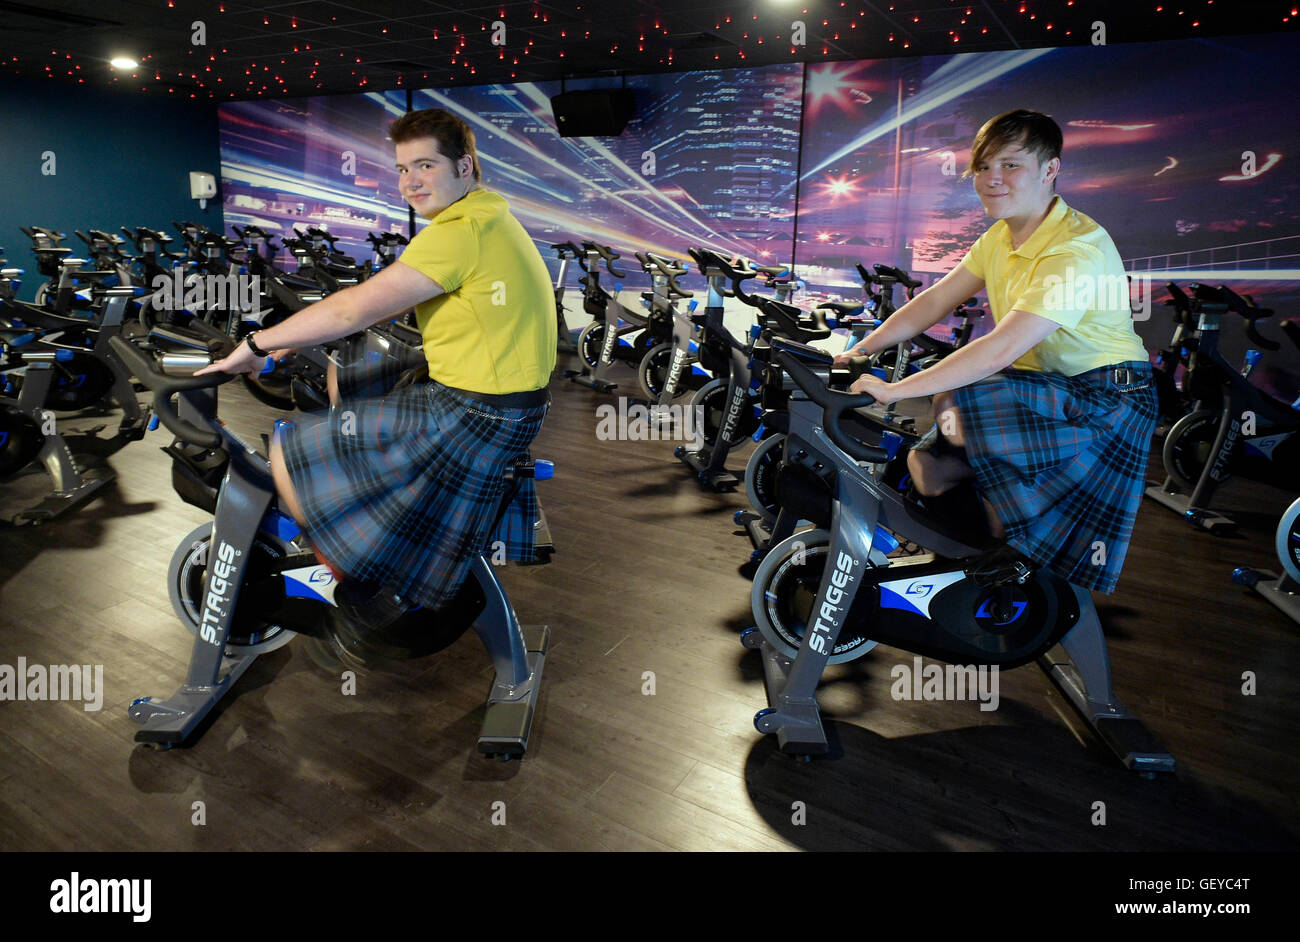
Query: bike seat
point(795, 322)
point(185, 337)
point(298, 281)
point(842, 308)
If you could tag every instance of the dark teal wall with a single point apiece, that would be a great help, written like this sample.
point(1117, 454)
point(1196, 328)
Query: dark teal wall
point(121, 159)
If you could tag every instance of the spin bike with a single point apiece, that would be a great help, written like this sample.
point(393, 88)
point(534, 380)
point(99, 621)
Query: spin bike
point(829, 595)
point(607, 339)
point(80, 379)
point(26, 437)
point(243, 586)
point(698, 353)
point(1235, 429)
point(730, 406)
point(728, 415)
point(88, 370)
point(671, 366)
point(763, 469)
point(50, 252)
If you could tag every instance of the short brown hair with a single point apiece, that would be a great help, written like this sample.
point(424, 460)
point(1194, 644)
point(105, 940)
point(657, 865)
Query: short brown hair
point(452, 135)
point(1032, 130)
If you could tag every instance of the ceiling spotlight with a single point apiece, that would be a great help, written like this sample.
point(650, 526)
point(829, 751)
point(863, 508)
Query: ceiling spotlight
point(123, 62)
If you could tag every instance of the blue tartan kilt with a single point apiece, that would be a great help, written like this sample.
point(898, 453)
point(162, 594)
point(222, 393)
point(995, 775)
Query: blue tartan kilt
point(1063, 461)
point(402, 489)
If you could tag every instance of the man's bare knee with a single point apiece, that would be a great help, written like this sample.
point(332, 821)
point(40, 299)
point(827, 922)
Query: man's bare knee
point(332, 383)
point(926, 474)
point(917, 469)
point(932, 476)
point(948, 417)
point(283, 483)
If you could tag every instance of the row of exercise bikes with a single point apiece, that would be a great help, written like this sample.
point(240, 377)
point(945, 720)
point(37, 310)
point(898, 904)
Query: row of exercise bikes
point(56, 356)
point(1217, 425)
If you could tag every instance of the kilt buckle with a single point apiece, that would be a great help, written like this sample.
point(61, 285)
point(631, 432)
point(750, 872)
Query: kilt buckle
point(1124, 375)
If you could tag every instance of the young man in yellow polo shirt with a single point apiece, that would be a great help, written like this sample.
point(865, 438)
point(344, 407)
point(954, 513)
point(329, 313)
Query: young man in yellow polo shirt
point(399, 491)
point(1051, 414)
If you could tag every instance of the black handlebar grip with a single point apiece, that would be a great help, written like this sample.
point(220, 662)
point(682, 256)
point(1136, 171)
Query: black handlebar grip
point(1260, 340)
point(833, 403)
point(609, 255)
point(164, 387)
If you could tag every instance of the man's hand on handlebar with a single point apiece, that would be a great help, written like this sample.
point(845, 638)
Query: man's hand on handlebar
point(242, 360)
point(845, 359)
point(884, 393)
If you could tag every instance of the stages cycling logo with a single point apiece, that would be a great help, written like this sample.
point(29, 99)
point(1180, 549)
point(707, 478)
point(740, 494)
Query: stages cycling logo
point(218, 586)
point(827, 620)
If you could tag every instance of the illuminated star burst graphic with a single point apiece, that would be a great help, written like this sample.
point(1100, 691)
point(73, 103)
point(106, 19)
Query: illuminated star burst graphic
point(832, 83)
point(835, 187)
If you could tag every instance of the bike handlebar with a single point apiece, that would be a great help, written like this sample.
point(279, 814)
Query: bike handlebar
point(147, 370)
point(606, 253)
point(834, 403)
point(1223, 299)
point(735, 269)
point(670, 268)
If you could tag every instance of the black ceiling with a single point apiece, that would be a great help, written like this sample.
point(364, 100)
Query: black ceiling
point(314, 47)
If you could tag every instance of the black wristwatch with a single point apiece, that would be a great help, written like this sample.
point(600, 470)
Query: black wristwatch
point(257, 351)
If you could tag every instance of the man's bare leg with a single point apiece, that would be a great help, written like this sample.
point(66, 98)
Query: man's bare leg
point(933, 475)
point(332, 383)
point(283, 485)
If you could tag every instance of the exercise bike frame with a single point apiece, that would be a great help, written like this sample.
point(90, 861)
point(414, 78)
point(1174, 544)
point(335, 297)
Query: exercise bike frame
point(246, 506)
point(1078, 664)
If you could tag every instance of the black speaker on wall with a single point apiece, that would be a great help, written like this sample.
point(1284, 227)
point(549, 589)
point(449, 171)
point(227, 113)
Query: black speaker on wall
point(600, 112)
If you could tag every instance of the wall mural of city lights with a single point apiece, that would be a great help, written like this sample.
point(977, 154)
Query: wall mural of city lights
point(1174, 147)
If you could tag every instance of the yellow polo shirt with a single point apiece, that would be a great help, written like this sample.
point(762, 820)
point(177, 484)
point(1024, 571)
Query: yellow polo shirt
point(1069, 272)
point(494, 330)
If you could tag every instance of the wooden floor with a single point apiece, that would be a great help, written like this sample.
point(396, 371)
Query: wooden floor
point(645, 580)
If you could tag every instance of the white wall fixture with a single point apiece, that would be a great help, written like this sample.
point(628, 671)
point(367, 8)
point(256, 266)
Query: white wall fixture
point(203, 186)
